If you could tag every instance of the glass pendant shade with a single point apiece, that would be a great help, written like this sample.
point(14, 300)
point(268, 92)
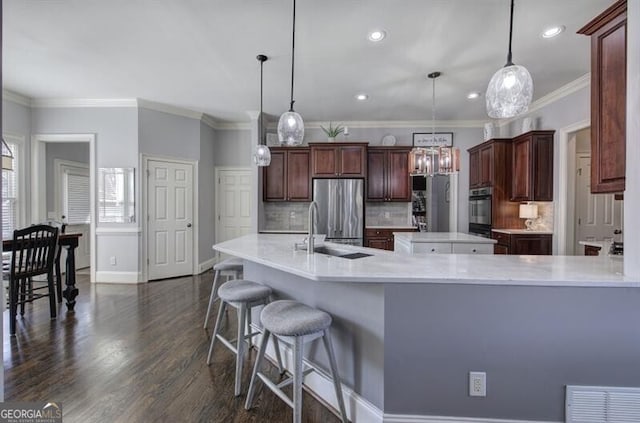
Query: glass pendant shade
point(290, 128)
point(510, 92)
point(262, 155)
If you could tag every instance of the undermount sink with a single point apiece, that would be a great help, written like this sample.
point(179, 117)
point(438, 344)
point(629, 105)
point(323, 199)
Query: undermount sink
point(340, 253)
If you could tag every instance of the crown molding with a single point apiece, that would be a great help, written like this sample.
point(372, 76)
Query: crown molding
point(413, 124)
point(234, 125)
point(210, 121)
point(553, 96)
point(82, 102)
point(167, 108)
point(16, 98)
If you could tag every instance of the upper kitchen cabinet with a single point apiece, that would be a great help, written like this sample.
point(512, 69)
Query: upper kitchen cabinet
point(388, 174)
point(608, 33)
point(287, 177)
point(532, 166)
point(483, 163)
point(342, 160)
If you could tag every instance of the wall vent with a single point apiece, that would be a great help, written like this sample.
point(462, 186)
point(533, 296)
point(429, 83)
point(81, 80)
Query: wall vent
point(602, 404)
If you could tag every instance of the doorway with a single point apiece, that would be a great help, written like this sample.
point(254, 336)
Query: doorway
point(47, 190)
point(233, 203)
point(170, 218)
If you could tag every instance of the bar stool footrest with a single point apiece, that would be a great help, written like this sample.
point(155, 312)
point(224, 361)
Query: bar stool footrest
point(275, 389)
point(288, 381)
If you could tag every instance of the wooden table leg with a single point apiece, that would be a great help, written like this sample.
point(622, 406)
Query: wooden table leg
point(71, 292)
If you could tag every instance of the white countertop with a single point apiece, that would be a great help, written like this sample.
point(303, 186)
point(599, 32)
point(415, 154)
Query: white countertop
point(600, 244)
point(282, 231)
point(522, 231)
point(442, 237)
point(277, 251)
point(390, 227)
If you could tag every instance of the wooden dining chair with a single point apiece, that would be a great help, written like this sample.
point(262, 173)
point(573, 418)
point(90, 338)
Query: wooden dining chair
point(34, 251)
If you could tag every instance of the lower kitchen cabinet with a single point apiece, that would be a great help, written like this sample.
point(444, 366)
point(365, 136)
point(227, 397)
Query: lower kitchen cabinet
point(522, 243)
point(382, 238)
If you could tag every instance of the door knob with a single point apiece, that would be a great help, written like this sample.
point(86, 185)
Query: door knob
point(188, 225)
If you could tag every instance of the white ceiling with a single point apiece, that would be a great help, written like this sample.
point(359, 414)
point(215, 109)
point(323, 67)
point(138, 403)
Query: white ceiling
point(200, 54)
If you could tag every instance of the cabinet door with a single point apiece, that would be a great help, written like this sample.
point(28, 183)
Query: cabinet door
point(608, 106)
point(353, 161)
point(542, 168)
point(500, 249)
point(274, 180)
point(398, 186)
point(376, 176)
point(379, 243)
point(298, 181)
point(521, 172)
point(324, 161)
point(531, 244)
point(486, 166)
point(474, 169)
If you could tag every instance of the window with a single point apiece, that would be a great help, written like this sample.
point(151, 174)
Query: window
point(76, 196)
point(116, 195)
point(10, 196)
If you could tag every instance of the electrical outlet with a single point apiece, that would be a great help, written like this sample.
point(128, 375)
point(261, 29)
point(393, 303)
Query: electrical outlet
point(112, 260)
point(477, 384)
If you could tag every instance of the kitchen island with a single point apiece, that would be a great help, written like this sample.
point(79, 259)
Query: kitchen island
point(442, 243)
point(408, 328)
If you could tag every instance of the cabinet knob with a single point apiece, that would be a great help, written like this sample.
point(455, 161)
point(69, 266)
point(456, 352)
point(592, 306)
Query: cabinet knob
point(474, 250)
point(433, 250)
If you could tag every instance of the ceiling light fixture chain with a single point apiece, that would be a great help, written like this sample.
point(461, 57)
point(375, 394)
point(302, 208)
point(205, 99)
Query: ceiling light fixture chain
point(293, 55)
point(509, 54)
point(262, 154)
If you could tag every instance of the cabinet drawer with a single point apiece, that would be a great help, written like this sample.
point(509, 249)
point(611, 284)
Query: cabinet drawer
point(432, 247)
point(376, 233)
point(503, 239)
point(472, 248)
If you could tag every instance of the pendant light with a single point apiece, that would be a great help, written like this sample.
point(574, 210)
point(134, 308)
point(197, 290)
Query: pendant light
point(511, 88)
point(290, 125)
point(262, 154)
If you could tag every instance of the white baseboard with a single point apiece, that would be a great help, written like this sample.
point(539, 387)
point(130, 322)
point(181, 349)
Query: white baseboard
point(206, 265)
point(405, 418)
point(358, 409)
point(118, 277)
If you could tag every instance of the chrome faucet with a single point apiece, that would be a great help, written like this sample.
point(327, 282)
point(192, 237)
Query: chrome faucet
point(313, 209)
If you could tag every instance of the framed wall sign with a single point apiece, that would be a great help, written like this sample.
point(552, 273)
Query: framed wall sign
point(439, 139)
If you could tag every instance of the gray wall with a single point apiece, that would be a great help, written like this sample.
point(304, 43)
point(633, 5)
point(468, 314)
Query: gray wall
point(206, 183)
point(233, 147)
point(116, 130)
point(531, 342)
point(72, 151)
point(164, 134)
point(16, 120)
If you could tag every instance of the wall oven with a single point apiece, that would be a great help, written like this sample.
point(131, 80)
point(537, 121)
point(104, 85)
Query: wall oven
point(480, 211)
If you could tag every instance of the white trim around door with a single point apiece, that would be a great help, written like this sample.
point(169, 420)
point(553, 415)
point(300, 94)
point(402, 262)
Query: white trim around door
point(144, 209)
point(564, 210)
point(38, 182)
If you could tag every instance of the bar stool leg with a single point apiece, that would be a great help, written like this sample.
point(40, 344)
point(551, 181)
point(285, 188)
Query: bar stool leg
point(297, 379)
point(223, 306)
point(276, 345)
point(249, 328)
point(328, 345)
point(212, 298)
point(240, 346)
point(256, 369)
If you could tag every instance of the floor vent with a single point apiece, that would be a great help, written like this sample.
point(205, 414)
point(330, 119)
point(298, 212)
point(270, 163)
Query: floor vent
point(602, 404)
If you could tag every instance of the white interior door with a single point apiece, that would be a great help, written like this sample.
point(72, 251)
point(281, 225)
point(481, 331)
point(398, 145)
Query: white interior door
point(597, 215)
point(170, 211)
point(233, 203)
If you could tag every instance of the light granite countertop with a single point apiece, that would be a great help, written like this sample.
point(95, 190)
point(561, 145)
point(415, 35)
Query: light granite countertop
point(442, 237)
point(277, 251)
point(522, 231)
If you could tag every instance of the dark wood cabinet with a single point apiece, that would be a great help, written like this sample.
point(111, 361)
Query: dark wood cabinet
point(342, 160)
point(532, 167)
point(522, 243)
point(608, 32)
point(388, 174)
point(490, 166)
point(287, 177)
point(382, 238)
point(592, 250)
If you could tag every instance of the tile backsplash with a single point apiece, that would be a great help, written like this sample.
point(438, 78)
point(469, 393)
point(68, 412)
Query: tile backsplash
point(285, 216)
point(388, 214)
point(544, 222)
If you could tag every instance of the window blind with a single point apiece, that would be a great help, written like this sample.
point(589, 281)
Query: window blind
point(10, 195)
point(77, 199)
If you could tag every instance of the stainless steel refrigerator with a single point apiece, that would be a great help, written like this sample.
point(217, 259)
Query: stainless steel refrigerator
point(340, 209)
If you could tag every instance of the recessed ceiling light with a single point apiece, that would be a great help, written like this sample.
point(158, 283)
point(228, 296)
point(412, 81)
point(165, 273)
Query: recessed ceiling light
point(553, 31)
point(473, 95)
point(361, 97)
point(377, 35)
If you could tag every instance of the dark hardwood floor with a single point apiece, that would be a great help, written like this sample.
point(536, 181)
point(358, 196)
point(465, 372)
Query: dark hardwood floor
point(135, 353)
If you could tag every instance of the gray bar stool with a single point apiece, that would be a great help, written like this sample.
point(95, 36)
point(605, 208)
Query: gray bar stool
point(295, 324)
point(242, 295)
point(231, 268)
